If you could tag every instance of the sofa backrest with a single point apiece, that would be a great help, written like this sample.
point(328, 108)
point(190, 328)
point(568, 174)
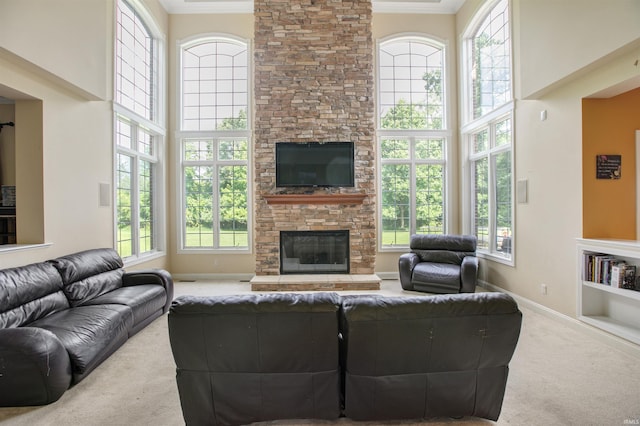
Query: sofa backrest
point(28, 293)
point(248, 358)
point(428, 356)
point(443, 248)
point(89, 274)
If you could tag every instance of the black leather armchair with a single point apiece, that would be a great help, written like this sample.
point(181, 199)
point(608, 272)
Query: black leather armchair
point(440, 264)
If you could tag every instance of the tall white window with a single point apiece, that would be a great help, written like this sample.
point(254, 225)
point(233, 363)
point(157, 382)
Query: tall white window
point(214, 144)
point(138, 135)
point(488, 130)
point(413, 138)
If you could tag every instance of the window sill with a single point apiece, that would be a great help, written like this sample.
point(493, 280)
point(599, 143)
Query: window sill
point(12, 248)
point(394, 249)
point(496, 258)
point(195, 250)
point(132, 261)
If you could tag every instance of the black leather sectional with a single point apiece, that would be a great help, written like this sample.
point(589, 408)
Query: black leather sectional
point(61, 318)
point(259, 357)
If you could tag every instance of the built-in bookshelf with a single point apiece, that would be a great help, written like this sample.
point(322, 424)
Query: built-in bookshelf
point(600, 304)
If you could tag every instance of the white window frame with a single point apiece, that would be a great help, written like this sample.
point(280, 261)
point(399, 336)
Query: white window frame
point(473, 126)
point(412, 136)
point(154, 125)
point(184, 135)
point(414, 163)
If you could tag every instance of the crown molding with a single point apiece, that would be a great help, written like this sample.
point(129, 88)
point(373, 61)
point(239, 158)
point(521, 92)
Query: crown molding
point(181, 7)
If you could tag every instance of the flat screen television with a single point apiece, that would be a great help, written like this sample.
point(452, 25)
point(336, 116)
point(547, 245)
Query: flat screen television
point(315, 164)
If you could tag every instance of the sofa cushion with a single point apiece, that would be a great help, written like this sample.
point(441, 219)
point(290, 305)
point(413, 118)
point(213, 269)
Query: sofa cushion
point(144, 300)
point(82, 292)
point(89, 333)
point(28, 293)
point(89, 274)
point(438, 277)
point(78, 266)
point(442, 256)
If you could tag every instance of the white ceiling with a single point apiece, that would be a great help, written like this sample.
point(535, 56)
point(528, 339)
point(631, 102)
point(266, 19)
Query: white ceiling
point(246, 6)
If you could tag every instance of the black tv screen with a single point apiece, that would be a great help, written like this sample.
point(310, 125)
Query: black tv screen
point(314, 164)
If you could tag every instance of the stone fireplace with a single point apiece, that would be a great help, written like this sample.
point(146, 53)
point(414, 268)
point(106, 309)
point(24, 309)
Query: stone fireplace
point(314, 83)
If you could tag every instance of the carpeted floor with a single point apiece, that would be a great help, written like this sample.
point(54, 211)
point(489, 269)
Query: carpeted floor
point(559, 375)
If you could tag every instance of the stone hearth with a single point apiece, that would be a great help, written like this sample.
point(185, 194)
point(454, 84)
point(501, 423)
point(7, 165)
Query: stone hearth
point(315, 282)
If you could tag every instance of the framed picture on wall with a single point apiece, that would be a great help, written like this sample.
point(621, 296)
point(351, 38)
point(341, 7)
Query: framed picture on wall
point(608, 166)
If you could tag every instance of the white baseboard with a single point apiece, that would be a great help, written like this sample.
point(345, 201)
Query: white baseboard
point(600, 335)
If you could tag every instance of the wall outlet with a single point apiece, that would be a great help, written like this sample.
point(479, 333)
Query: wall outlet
point(543, 288)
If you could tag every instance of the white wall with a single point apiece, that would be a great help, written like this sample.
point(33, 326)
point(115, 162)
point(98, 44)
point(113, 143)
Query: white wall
point(56, 61)
point(559, 39)
point(63, 149)
point(63, 39)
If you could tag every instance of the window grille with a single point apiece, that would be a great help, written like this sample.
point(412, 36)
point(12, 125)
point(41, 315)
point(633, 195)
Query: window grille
point(215, 144)
point(138, 135)
point(489, 131)
point(413, 139)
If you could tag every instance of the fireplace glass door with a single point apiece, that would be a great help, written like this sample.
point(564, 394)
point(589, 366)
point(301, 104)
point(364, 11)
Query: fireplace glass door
point(314, 252)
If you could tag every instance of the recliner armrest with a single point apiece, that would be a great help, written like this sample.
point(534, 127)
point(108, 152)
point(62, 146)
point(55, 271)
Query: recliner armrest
point(468, 274)
point(406, 263)
point(151, 276)
point(35, 367)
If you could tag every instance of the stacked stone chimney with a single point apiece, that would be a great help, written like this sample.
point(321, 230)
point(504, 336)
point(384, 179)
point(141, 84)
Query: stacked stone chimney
point(314, 83)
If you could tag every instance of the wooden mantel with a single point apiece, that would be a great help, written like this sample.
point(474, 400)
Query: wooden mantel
point(315, 198)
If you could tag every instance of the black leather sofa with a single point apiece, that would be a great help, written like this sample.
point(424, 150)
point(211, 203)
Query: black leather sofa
point(61, 318)
point(261, 357)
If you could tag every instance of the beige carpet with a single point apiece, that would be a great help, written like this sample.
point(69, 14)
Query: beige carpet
point(559, 375)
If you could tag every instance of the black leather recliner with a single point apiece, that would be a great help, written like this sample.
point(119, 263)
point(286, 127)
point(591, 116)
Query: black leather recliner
point(440, 264)
point(250, 358)
point(422, 357)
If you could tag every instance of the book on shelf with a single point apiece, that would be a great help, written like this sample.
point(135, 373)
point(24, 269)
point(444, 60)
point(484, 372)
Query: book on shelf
point(629, 278)
point(617, 275)
point(601, 268)
point(597, 267)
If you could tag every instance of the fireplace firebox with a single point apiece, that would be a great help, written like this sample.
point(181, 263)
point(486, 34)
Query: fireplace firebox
point(314, 252)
